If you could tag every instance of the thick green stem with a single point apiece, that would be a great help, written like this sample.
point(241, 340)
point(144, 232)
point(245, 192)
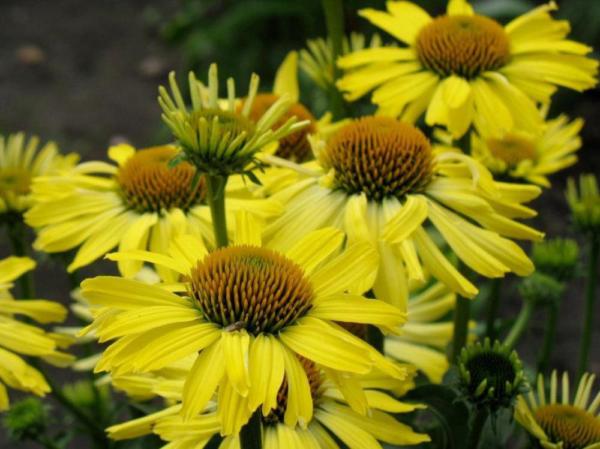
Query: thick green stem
point(492, 308)
point(477, 424)
point(334, 18)
point(17, 236)
point(590, 298)
point(462, 312)
point(549, 338)
point(250, 435)
point(375, 338)
point(520, 324)
point(215, 194)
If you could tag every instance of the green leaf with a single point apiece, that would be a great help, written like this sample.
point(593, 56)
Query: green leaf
point(446, 418)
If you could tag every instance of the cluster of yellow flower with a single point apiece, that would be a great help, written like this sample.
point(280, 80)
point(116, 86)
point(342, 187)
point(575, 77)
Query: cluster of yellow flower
point(285, 280)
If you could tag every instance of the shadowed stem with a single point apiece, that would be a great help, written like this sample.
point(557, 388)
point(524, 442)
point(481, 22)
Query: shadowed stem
point(549, 338)
point(250, 435)
point(462, 312)
point(590, 298)
point(520, 324)
point(215, 196)
point(477, 424)
point(334, 18)
point(492, 308)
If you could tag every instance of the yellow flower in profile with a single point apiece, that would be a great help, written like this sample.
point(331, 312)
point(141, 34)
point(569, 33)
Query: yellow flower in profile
point(245, 311)
point(463, 68)
point(427, 332)
point(380, 181)
point(140, 203)
point(217, 138)
point(529, 155)
point(317, 61)
point(571, 422)
point(333, 415)
point(19, 339)
point(21, 160)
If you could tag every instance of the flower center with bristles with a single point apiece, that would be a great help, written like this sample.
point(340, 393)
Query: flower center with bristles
point(512, 149)
point(574, 427)
point(315, 381)
point(15, 180)
point(148, 184)
point(496, 368)
point(463, 45)
point(252, 288)
point(294, 147)
point(381, 157)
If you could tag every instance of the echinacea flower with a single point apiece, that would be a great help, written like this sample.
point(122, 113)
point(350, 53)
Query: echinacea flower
point(317, 60)
point(379, 180)
point(333, 417)
point(529, 155)
point(463, 68)
point(19, 339)
point(21, 160)
point(427, 332)
point(246, 310)
point(139, 203)
point(584, 201)
point(218, 139)
point(565, 422)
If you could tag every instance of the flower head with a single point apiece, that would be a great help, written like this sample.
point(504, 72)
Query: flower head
point(138, 203)
point(332, 415)
point(585, 203)
point(571, 422)
point(317, 61)
point(558, 258)
point(530, 155)
point(462, 68)
point(21, 160)
point(491, 375)
point(380, 181)
point(18, 338)
point(217, 139)
point(245, 312)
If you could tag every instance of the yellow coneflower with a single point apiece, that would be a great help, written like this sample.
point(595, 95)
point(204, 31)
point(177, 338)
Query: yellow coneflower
point(463, 68)
point(139, 203)
point(19, 339)
point(379, 180)
point(317, 61)
point(529, 155)
point(571, 422)
point(333, 415)
point(427, 332)
point(246, 311)
point(21, 160)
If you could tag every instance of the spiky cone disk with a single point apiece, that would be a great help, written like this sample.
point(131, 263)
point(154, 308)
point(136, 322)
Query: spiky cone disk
point(217, 138)
point(491, 375)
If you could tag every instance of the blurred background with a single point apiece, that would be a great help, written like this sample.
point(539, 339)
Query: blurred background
point(85, 73)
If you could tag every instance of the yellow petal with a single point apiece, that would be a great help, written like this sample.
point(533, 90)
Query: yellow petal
point(286, 78)
point(266, 370)
point(120, 153)
point(235, 350)
point(459, 8)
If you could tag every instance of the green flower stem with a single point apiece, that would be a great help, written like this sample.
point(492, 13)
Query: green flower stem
point(375, 337)
point(334, 18)
point(215, 194)
point(549, 338)
point(462, 312)
point(250, 435)
point(590, 298)
point(17, 236)
point(520, 324)
point(477, 424)
point(492, 308)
